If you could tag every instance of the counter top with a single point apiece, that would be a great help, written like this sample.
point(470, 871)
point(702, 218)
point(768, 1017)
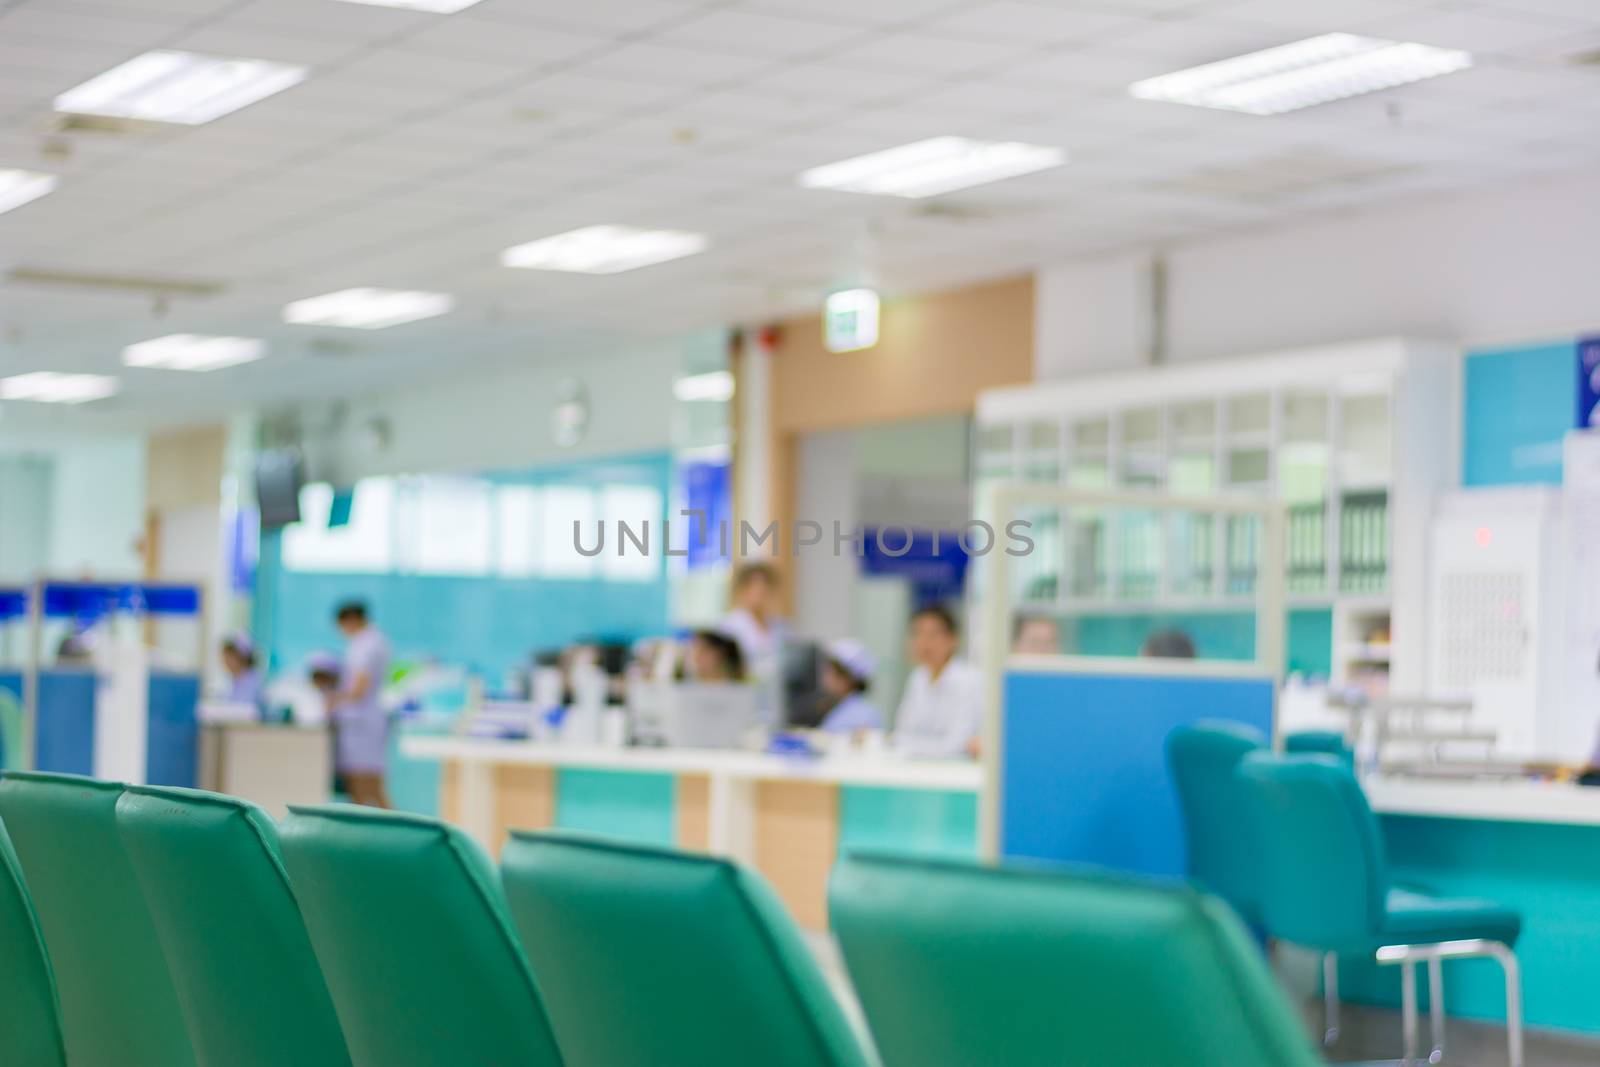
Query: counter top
point(1513, 800)
point(885, 771)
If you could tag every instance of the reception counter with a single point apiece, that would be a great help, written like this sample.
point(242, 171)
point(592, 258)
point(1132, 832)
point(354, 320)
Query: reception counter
point(1532, 845)
point(786, 817)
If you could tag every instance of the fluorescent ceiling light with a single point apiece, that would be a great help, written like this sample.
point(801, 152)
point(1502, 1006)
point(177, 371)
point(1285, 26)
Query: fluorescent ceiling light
point(604, 249)
point(17, 187)
point(181, 87)
point(1314, 71)
point(367, 309)
point(193, 351)
point(937, 165)
point(50, 387)
point(713, 385)
point(438, 7)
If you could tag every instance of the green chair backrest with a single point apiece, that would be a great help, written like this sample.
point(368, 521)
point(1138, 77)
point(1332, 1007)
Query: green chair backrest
point(1202, 759)
point(29, 1019)
point(407, 918)
point(118, 1006)
point(241, 961)
point(1324, 877)
point(1320, 742)
point(959, 964)
point(652, 956)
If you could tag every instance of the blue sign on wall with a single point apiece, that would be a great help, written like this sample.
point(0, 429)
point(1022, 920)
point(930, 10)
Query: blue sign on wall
point(707, 490)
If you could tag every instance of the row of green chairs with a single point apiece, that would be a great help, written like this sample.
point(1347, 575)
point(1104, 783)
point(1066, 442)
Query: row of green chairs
point(151, 927)
point(1290, 841)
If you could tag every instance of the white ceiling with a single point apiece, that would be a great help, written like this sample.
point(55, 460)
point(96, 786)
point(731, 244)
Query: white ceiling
point(422, 145)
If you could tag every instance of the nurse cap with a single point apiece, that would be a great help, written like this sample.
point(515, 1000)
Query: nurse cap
point(853, 657)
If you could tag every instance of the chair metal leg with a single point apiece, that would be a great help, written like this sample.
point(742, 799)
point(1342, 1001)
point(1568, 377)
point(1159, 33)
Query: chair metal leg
point(1436, 1007)
point(1330, 999)
point(1408, 956)
point(1408, 1009)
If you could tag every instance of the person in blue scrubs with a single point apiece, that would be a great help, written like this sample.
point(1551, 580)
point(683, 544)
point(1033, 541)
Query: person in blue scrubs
point(846, 676)
point(239, 660)
point(361, 725)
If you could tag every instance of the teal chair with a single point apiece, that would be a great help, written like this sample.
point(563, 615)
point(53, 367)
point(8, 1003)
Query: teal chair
point(29, 1018)
point(1320, 742)
point(652, 956)
point(242, 964)
point(408, 920)
point(1203, 760)
point(118, 1005)
point(1326, 886)
point(959, 964)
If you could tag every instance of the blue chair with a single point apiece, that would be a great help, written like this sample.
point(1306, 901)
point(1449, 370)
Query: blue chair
point(1203, 760)
point(1325, 886)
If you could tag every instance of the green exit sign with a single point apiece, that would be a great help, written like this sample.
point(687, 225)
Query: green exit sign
point(850, 320)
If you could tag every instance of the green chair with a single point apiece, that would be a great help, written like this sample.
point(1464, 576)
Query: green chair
point(959, 964)
point(241, 961)
point(1325, 886)
point(29, 1018)
point(407, 918)
point(652, 956)
point(1203, 759)
point(118, 1006)
point(1320, 742)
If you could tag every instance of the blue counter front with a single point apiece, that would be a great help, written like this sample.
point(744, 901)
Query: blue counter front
point(64, 736)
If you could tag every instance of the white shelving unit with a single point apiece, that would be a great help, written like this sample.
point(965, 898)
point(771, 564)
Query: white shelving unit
point(1356, 439)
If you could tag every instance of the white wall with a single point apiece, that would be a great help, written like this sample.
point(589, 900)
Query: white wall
point(501, 419)
point(97, 512)
point(24, 515)
point(1507, 265)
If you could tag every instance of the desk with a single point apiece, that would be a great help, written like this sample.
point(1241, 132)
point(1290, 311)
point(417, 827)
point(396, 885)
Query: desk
point(1532, 845)
point(273, 765)
point(785, 817)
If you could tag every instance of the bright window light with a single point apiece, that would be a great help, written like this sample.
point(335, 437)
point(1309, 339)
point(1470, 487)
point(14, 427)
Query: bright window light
point(50, 387)
point(1317, 70)
point(713, 385)
point(937, 165)
point(604, 249)
point(180, 87)
point(193, 351)
point(438, 7)
point(17, 187)
point(367, 309)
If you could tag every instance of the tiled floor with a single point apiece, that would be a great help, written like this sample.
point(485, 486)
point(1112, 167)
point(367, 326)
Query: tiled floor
point(1374, 1034)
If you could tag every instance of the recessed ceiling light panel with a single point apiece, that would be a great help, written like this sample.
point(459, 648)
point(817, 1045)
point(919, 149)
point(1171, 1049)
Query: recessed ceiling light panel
point(604, 249)
point(51, 387)
point(936, 165)
point(1318, 70)
point(17, 187)
point(193, 352)
point(437, 7)
point(367, 309)
point(180, 87)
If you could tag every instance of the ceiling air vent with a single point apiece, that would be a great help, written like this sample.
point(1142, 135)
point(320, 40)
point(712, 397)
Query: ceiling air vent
point(113, 284)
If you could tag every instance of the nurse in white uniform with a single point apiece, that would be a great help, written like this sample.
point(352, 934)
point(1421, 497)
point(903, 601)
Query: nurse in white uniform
point(754, 623)
point(846, 676)
point(941, 712)
point(361, 726)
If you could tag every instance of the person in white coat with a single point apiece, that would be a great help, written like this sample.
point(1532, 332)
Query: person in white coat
point(941, 713)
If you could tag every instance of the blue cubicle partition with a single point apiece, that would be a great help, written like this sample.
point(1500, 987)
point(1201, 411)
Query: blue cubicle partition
point(65, 735)
point(1083, 775)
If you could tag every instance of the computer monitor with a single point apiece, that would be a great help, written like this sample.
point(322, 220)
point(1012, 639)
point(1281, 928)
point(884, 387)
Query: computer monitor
point(802, 695)
point(709, 714)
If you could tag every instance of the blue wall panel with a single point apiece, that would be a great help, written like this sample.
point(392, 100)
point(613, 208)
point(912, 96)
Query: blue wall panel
point(913, 821)
point(173, 751)
point(1084, 776)
point(64, 740)
point(620, 804)
point(1519, 405)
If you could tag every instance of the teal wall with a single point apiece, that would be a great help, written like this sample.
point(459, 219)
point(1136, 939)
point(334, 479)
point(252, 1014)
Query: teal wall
point(1518, 404)
point(1225, 635)
point(1550, 873)
point(488, 623)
